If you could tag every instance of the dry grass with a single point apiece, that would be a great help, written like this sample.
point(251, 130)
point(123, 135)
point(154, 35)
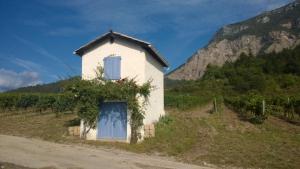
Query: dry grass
point(195, 136)
point(46, 127)
point(274, 144)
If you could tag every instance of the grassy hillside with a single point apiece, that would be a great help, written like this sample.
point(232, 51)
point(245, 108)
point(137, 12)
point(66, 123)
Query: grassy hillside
point(194, 136)
point(245, 84)
point(193, 132)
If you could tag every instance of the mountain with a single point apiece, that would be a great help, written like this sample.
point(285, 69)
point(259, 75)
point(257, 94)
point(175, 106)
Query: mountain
point(54, 87)
point(265, 33)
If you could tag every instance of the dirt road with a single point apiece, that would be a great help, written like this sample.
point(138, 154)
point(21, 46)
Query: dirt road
point(39, 154)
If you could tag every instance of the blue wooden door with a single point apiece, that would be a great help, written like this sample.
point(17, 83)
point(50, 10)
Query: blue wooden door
point(112, 123)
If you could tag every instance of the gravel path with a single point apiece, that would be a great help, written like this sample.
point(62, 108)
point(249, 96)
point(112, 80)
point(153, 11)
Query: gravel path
point(42, 154)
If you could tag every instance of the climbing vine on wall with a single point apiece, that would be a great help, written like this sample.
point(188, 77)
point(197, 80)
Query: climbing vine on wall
point(89, 94)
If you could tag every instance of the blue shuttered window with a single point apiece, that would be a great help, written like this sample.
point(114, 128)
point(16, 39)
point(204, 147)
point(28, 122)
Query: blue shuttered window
point(112, 68)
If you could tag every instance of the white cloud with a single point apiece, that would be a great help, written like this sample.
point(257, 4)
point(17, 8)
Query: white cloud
point(26, 64)
point(30, 66)
point(11, 80)
point(43, 52)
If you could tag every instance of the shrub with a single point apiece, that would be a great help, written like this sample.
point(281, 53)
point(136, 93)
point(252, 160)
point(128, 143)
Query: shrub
point(7, 102)
point(63, 103)
point(251, 103)
point(46, 102)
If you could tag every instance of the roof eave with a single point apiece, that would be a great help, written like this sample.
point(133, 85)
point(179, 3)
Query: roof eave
point(161, 59)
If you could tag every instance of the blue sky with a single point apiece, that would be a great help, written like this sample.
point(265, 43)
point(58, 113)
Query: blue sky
point(38, 37)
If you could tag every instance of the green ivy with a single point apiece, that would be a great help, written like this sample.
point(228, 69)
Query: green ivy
point(89, 94)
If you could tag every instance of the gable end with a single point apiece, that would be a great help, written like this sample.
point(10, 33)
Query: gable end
point(114, 35)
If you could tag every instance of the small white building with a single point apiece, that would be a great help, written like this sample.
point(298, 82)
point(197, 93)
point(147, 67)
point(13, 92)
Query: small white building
point(123, 56)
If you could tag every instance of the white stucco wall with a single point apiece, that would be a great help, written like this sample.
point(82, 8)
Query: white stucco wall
point(135, 63)
point(155, 107)
point(132, 59)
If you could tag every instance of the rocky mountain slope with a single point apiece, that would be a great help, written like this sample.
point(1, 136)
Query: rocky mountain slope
point(265, 33)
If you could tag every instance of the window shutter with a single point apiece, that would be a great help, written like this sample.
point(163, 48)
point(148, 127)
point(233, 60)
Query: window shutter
point(117, 68)
point(107, 68)
point(112, 68)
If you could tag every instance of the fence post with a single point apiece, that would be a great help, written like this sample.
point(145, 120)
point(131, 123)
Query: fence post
point(263, 107)
point(287, 108)
point(291, 111)
point(215, 106)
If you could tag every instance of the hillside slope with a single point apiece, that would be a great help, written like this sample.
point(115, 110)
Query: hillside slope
point(54, 87)
point(265, 33)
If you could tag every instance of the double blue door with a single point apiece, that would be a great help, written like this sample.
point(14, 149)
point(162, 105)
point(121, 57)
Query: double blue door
point(112, 123)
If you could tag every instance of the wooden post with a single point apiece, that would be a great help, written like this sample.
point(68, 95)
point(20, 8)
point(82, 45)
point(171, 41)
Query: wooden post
point(263, 107)
point(288, 107)
point(215, 106)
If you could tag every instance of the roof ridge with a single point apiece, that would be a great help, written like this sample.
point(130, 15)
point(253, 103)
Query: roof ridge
point(121, 34)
